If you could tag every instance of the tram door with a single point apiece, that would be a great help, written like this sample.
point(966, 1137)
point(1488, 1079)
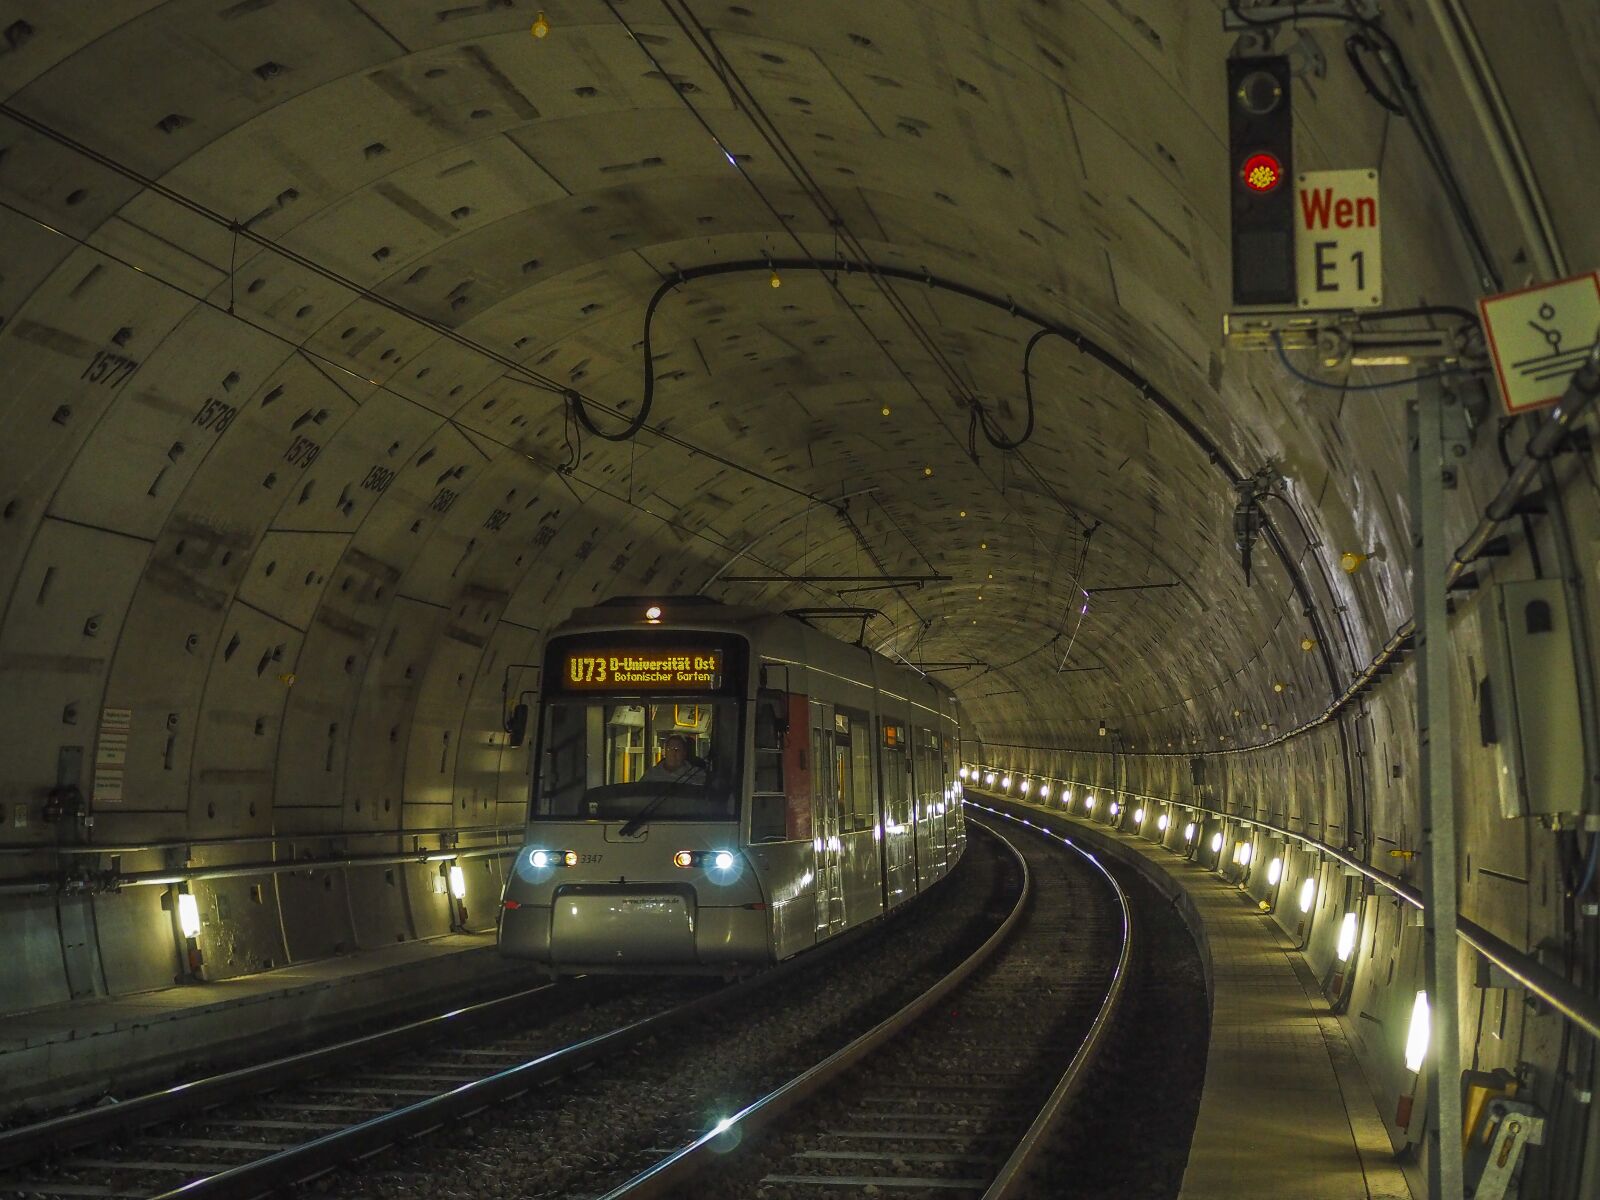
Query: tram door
point(825, 823)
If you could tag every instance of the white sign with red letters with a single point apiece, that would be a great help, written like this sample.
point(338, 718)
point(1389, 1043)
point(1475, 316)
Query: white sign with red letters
point(1338, 250)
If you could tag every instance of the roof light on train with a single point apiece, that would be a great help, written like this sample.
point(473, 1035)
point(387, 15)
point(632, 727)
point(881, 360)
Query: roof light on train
point(653, 614)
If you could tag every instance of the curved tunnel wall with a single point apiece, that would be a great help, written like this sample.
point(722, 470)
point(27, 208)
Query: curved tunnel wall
point(288, 491)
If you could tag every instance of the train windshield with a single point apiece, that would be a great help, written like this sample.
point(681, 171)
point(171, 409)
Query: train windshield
point(639, 759)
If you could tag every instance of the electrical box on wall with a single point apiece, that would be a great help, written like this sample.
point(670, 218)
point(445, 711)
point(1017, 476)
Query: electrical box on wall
point(1532, 709)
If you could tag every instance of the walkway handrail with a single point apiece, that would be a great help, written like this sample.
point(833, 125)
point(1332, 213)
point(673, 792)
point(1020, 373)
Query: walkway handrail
point(1560, 993)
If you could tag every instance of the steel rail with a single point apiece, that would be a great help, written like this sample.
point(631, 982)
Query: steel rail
point(295, 1164)
point(1014, 1174)
point(93, 1125)
point(660, 1178)
point(1565, 997)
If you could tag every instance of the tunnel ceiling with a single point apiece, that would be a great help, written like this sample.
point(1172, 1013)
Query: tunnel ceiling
point(356, 250)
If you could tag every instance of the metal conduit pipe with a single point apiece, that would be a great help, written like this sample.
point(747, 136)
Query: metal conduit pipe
point(111, 882)
point(1571, 1001)
point(257, 839)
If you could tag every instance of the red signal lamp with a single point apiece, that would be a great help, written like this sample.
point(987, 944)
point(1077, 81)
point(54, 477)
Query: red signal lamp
point(1262, 173)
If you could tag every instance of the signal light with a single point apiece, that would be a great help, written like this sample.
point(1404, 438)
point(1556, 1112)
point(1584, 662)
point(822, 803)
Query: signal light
point(1261, 149)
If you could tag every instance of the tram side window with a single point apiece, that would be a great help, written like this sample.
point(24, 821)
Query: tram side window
point(769, 805)
point(854, 760)
point(926, 773)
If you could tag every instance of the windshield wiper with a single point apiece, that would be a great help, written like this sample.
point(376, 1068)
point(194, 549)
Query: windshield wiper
point(639, 818)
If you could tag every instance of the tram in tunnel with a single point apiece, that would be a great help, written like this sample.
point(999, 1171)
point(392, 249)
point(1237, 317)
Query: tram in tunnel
point(715, 788)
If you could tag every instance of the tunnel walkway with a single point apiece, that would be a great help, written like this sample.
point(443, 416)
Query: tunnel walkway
point(1286, 1110)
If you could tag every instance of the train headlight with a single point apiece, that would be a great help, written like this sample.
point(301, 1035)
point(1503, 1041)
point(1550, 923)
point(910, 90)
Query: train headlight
point(541, 860)
point(720, 860)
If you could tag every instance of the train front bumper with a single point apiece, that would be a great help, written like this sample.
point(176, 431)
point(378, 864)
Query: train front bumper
point(594, 926)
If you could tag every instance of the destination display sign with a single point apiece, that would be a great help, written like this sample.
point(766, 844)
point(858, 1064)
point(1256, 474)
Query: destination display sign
point(674, 669)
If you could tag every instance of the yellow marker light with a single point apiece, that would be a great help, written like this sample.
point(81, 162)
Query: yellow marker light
point(1417, 1036)
point(774, 280)
point(1308, 893)
point(683, 859)
point(962, 513)
point(926, 471)
point(541, 27)
point(1274, 872)
point(1216, 842)
point(1347, 936)
point(1308, 644)
point(188, 915)
point(884, 410)
point(983, 545)
point(1350, 562)
point(458, 881)
point(570, 858)
point(1278, 685)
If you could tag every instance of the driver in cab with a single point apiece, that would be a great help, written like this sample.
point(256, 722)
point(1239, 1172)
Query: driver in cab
point(676, 764)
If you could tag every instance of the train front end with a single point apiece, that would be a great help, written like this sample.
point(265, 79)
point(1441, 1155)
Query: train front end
point(634, 859)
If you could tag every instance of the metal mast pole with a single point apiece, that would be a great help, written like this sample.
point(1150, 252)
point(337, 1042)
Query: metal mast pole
point(1439, 439)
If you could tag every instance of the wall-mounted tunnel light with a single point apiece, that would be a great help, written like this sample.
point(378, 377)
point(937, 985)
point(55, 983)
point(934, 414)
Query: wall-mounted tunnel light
point(1347, 937)
point(1274, 872)
point(188, 915)
point(1044, 791)
point(1115, 808)
point(1216, 842)
point(1025, 786)
point(1162, 822)
point(1005, 783)
point(1246, 852)
point(1308, 893)
point(1417, 1035)
point(458, 881)
point(962, 772)
point(1188, 832)
point(1088, 803)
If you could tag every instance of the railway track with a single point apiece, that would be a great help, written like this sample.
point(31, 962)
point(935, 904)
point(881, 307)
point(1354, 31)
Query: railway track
point(251, 1131)
point(954, 1093)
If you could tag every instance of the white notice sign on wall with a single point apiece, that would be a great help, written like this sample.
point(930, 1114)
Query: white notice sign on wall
point(1338, 251)
point(1538, 337)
